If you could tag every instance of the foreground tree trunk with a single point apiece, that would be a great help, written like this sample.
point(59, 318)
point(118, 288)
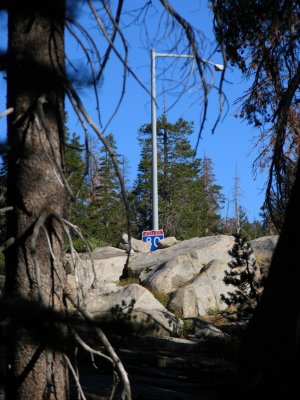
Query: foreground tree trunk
point(34, 264)
point(270, 363)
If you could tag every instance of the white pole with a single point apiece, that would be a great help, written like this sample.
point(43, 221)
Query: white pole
point(154, 145)
point(218, 67)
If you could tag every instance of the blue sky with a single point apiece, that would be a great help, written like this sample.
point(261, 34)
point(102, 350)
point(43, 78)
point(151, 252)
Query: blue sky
point(231, 148)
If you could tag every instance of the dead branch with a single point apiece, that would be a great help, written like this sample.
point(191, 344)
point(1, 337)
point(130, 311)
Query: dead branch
point(6, 112)
point(75, 376)
point(5, 209)
point(115, 20)
point(7, 244)
point(89, 349)
point(194, 47)
point(91, 65)
point(80, 109)
point(126, 395)
point(117, 53)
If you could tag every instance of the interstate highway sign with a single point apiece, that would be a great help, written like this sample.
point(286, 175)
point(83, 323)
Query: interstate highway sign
point(153, 237)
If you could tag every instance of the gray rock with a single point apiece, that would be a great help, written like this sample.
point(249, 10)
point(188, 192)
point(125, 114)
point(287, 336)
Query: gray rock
point(103, 265)
point(204, 330)
point(100, 253)
point(143, 310)
point(263, 248)
point(136, 245)
point(167, 242)
point(203, 294)
point(168, 269)
point(171, 274)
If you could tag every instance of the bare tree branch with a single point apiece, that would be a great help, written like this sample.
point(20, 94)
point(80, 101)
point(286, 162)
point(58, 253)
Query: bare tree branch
point(194, 47)
point(116, 360)
point(115, 22)
point(6, 112)
point(117, 53)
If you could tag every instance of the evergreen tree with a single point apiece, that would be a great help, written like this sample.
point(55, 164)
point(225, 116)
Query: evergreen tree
point(142, 188)
point(75, 171)
point(187, 203)
point(213, 198)
point(268, 227)
point(251, 230)
point(106, 211)
point(97, 207)
point(246, 276)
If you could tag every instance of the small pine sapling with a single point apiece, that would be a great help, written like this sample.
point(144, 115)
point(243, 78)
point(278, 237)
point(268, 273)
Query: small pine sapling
point(246, 276)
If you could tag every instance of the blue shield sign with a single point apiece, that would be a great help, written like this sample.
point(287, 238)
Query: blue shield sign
point(153, 237)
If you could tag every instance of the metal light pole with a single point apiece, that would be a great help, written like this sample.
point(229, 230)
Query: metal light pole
point(217, 67)
point(154, 145)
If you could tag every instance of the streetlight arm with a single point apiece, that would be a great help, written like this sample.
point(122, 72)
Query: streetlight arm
point(217, 67)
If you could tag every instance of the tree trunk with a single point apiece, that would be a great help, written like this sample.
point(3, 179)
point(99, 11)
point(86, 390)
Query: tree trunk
point(34, 264)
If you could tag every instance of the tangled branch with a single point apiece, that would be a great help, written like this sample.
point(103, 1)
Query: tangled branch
point(78, 306)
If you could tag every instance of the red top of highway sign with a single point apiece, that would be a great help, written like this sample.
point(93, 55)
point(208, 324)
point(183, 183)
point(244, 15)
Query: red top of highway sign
point(153, 233)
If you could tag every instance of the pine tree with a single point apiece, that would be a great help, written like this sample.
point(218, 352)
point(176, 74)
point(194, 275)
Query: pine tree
point(106, 211)
point(213, 198)
point(251, 230)
point(187, 207)
point(246, 276)
point(142, 187)
point(76, 170)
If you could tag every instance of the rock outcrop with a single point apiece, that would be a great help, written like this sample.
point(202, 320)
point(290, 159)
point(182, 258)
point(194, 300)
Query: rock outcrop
point(196, 253)
point(188, 275)
point(104, 265)
point(135, 245)
point(203, 294)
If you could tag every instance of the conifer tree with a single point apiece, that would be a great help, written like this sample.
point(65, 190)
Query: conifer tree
point(184, 209)
point(246, 276)
point(106, 211)
point(213, 198)
point(75, 170)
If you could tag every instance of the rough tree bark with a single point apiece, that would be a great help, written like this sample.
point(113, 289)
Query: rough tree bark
point(34, 264)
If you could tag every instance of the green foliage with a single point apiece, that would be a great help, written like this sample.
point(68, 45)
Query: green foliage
point(189, 200)
point(75, 171)
point(250, 230)
point(82, 246)
point(128, 281)
point(262, 39)
point(106, 210)
point(186, 328)
point(98, 208)
point(163, 298)
point(247, 277)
